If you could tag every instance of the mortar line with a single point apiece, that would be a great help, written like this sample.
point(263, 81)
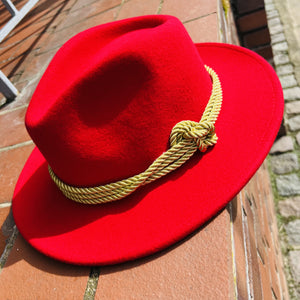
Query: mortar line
point(92, 284)
point(5, 204)
point(194, 19)
point(233, 252)
point(27, 143)
point(8, 247)
point(159, 7)
point(13, 109)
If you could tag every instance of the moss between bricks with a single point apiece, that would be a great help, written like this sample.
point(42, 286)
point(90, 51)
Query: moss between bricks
point(8, 247)
point(92, 284)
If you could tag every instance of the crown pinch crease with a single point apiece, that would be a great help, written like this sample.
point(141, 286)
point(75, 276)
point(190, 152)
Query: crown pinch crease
point(186, 137)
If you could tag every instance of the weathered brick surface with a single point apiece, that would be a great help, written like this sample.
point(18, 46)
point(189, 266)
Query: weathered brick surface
point(252, 21)
point(257, 231)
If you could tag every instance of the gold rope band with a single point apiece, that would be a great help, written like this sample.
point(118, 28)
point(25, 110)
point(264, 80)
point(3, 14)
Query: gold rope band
point(186, 137)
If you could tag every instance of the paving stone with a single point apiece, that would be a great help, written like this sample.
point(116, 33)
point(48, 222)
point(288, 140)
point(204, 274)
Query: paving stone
point(280, 47)
point(292, 107)
point(297, 72)
point(298, 138)
point(284, 163)
point(284, 69)
point(278, 37)
point(293, 232)
point(288, 185)
point(281, 59)
point(288, 81)
point(274, 22)
point(283, 144)
point(294, 258)
point(269, 6)
point(276, 29)
point(289, 207)
point(292, 93)
point(294, 123)
point(272, 13)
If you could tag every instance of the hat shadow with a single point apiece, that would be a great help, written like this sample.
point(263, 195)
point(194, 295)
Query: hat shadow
point(23, 251)
point(69, 225)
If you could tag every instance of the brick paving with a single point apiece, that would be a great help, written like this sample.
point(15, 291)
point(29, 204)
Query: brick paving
point(285, 33)
point(237, 253)
point(24, 56)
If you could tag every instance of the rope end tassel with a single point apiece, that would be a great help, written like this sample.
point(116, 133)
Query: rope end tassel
point(186, 137)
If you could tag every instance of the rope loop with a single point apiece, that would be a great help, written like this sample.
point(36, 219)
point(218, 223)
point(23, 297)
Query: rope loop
point(185, 138)
point(203, 134)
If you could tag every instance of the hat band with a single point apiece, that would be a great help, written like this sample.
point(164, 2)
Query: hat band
point(186, 137)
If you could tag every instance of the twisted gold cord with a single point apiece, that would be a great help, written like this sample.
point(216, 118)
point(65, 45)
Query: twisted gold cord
point(186, 137)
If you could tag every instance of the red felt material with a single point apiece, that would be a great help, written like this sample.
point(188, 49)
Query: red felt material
point(104, 110)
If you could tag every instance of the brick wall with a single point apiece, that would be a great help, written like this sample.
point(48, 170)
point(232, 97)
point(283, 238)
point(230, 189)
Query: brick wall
point(259, 264)
point(252, 26)
point(257, 259)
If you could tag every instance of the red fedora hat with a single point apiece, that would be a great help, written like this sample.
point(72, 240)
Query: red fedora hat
point(104, 111)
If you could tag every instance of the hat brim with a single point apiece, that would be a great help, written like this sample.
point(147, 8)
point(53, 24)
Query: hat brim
point(163, 212)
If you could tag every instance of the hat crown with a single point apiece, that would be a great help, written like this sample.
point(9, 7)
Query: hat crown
point(107, 103)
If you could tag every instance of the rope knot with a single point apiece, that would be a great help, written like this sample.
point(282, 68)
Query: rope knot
point(203, 134)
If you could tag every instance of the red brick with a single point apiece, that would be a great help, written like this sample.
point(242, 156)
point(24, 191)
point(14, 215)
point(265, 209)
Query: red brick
point(265, 51)
point(12, 128)
point(254, 272)
point(257, 38)
point(201, 266)
point(35, 64)
point(87, 11)
point(283, 284)
point(248, 6)
point(274, 275)
point(103, 5)
point(192, 9)
point(19, 35)
point(7, 52)
point(135, 8)
point(11, 67)
point(26, 90)
point(11, 163)
point(4, 211)
point(57, 39)
point(265, 282)
point(240, 251)
point(28, 274)
point(5, 16)
point(99, 5)
point(46, 9)
point(252, 21)
point(204, 29)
